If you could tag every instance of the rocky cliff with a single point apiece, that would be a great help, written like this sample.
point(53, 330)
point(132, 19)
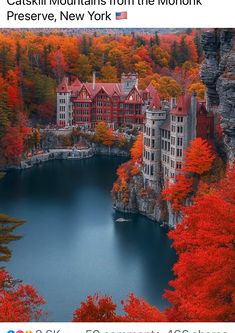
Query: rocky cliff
point(218, 74)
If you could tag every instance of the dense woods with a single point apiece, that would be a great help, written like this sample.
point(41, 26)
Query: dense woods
point(31, 65)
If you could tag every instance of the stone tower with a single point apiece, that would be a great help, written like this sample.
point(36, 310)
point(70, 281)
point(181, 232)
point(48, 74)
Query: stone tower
point(152, 145)
point(64, 104)
point(128, 81)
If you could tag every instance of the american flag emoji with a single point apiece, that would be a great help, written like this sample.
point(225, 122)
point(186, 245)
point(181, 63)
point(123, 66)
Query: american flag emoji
point(121, 15)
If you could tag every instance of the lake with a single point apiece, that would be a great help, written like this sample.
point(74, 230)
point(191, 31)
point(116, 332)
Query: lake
point(72, 247)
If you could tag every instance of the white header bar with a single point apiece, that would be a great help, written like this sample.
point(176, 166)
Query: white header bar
point(102, 13)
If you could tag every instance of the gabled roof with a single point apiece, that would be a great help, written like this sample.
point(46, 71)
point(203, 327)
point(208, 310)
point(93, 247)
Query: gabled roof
point(64, 86)
point(76, 85)
point(131, 92)
point(156, 101)
point(183, 106)
point(109, 88)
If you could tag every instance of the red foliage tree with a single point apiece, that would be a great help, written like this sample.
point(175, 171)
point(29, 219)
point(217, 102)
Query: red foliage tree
point(204, 288)
point(58, 64)
point(138, 310)
point(12, 144)
point(18, 302)
point(102, 308)
point(177, 192)
point(96, 309)
point(198, 160)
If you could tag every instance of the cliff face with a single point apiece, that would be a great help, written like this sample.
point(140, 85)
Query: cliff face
point(137, 199)
point(218, 74)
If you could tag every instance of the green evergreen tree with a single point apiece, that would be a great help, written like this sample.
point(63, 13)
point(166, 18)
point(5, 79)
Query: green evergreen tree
point(4, 123)
point(183, 54)
point(174, 55)
point(84, 45)
point(7, 228)
point(156, 39)
point(197, 41)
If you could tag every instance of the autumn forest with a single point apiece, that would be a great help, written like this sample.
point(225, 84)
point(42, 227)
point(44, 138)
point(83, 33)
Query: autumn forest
point(203, 195)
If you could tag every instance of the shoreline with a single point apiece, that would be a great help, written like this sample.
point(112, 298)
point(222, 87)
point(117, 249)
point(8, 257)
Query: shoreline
point(64, 154)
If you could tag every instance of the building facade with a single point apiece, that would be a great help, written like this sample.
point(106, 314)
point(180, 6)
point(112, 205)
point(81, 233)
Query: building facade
point(168, 131)
point(86, 104)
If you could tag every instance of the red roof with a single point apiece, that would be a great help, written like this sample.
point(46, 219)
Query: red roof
point(64, 86)
point(183, 106)
point(76, 85)
point(156, 101)
point(110, 89)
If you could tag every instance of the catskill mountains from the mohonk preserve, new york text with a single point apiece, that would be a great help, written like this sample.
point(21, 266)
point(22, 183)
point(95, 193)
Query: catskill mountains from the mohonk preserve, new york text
point(104, 2)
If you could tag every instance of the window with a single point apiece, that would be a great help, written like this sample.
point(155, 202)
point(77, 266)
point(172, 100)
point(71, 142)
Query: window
point(179, 152)
point(173, 151)
point(173, 140)
point(180, 142)
point(178, 165)
point(168, 146)
point(179, 129)
point(173, 128)
point(180, 119)
point(151, 170)
point(172, 164)
point(152, 157)
point(153, 132)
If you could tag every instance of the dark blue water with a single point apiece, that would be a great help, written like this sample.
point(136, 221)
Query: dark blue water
point(72, 246)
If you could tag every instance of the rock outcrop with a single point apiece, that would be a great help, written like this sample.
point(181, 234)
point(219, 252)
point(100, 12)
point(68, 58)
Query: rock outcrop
point(138, 199)
point(218, 74)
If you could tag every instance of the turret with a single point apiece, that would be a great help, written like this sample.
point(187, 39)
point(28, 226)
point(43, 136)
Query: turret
point(64, 105)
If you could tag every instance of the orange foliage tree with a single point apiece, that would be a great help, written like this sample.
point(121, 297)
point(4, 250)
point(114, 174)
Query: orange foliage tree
point(104, 134)
point(198, 157)
point(127, 170)
point(137, 149)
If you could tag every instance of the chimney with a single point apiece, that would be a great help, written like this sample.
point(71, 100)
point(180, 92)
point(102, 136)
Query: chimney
point(193, 116)
point(93, 82)
point(173, 102)
point(137, 80)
